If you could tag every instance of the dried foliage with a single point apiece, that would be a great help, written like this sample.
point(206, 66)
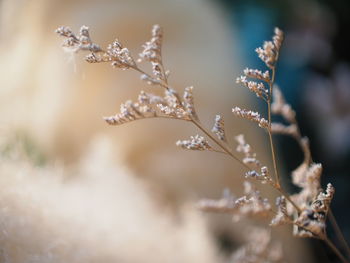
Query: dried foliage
point(251, 204)
point(259, 248)
point(306, 210)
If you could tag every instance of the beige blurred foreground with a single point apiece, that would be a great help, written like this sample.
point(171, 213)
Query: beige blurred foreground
point(104, 216)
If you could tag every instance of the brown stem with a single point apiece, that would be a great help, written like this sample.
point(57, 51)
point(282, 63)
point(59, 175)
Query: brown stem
point(327, 241)
point(149, 76)
point(220, 144)
point(335, 249)
point(338, 232)
point(269, 128)
point(280, 189)
point(227, 150)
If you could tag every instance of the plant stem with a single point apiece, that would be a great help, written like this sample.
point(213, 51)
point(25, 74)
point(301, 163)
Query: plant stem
point(220, 144)
point(326, 240)
point(228, 151)
point(280, 189)
point(271, 82)
point(338, 232)
point(335, 249)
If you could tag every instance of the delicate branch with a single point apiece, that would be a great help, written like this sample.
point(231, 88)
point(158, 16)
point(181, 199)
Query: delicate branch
point(335, 249)
point(306, 210)
point(338, 232)
point(225, 148)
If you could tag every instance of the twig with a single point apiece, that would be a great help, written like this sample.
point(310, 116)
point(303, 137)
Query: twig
point(335, 249)
point(338, 232)
point(221, 145)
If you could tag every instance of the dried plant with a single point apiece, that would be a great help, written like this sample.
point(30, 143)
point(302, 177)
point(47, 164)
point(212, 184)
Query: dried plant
point(259, 248)
point(307, 210)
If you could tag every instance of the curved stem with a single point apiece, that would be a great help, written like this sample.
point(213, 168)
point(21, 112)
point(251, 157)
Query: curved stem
point(335, 249)
point(277, 185)
point(149, 76)
point(228, 151)
point(269, 129)
point(338, 232)
point(327, 241)
point(220, 144)
point(279, 188)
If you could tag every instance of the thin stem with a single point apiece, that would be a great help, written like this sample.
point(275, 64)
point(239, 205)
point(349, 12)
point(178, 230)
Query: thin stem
point(269, 129)
point(326, 240)
point(149, 76)
point(200, 126)
point(338, 232)
point(227, 150)
point(220, 144)
point(279, 188)
point(314, 235)
point(335, 249)
point(218, 151)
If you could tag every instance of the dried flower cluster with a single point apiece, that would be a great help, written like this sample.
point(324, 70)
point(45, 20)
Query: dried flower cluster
point(251, 204)
point(281, 216)
point(306, 210)
point(219, 128)
point(264, 175)
point(314, 217)
point(80, 42)
point(148, 105)
point(270, 50)
point(152, 52)
point(250, 115)
point(259, 248)
point(245, 148)
point(257, 87)
point(195, 143)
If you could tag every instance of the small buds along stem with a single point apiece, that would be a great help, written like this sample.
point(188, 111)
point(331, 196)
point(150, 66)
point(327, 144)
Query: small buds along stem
point(188, 102)
point(152, 52)
point(262, 176)
point(245, 148)
point(270, 57)
point(195, 143)
point(219, 128)
point(250, 204)
point(261, 247)
point(75, 43)
point(270, 51)
point(257, 74)
point(251, 115)
point(258, 88)
point(269, 54)
point(226, 149)
point(281, 217)
point(286, 195)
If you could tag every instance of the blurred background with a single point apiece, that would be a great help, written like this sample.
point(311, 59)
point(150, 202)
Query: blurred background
point(77, 190)
point(314, 74)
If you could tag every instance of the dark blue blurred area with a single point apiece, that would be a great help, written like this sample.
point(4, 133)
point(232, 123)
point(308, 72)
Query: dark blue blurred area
point(314, 75)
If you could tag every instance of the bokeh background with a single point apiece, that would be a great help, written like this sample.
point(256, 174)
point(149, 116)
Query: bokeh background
point(74, 189)
point(314, 72)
